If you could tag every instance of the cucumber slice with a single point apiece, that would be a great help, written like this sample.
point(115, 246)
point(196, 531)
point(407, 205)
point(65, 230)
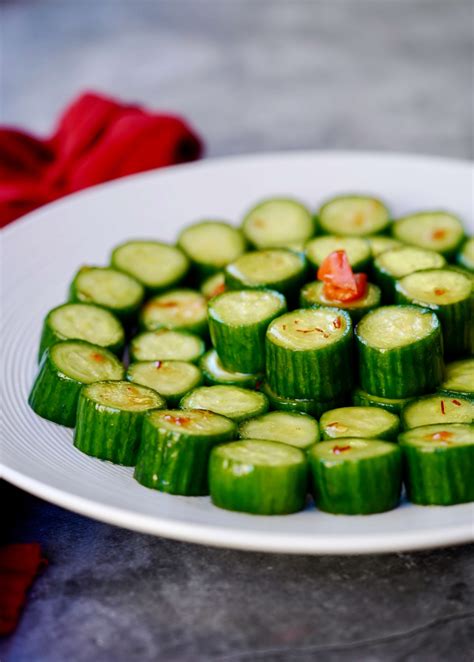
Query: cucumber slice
point(363, 399)
point(400, 351)
point(459, 379)
point(110, 418)
point(237, 323)
point(439, 231)
point(82, 321)
point(258, 477)
point(449, 294)
point(171, 379)
point(213, 285)
point(231, 401)
point(277, 222)
point(381, 244)
point(214, 373)
point(434, 409)
point(155, 265)
point(353, 216)
point(304, 405)
point(108, 288)
point(309, 353)
point(312, 295)
point(465, 257)
point(166, 345)
point(276, 269)
point(357, 251)
point(211, 245)
point(391, 265)
point(292, 428)
point(365, 422)
point(439, 464)
point(356, 476)
point(179, 310)
point(64, 368)
point(175, 448)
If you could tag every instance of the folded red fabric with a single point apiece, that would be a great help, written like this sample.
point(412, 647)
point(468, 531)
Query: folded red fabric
point(19, 564)
point(97, 139)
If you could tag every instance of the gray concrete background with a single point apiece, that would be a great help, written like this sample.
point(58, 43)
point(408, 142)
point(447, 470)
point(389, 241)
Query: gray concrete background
point(251, 76)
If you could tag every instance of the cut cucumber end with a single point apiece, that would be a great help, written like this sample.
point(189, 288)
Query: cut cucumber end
point(294, 429)
point(353, 215)
point(179, 310)
point(167, 345)
point(277, 222)
point(171, 379)
point(154, 264)
point(234, 402)
point(435, 230)
point(440, 409)
point(211, 245)
point(365, 422)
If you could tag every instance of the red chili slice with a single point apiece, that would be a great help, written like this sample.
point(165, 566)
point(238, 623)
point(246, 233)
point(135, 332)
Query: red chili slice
point(340, 283)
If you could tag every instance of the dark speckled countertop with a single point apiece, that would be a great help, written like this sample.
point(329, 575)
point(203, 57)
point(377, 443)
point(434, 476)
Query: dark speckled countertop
point(252, 75)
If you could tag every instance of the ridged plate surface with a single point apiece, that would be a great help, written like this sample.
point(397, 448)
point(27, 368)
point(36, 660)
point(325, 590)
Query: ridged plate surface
point(42, 251)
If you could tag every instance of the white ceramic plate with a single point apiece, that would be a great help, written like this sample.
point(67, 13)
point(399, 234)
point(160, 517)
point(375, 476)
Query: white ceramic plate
point(43, 250)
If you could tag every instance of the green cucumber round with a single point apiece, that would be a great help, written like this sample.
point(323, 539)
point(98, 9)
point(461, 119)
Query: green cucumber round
point(238, 322)
point(312, 295)
point(356, 476)
point(278, 222)
point(465, 257)
point(171, 379)
point(258, 477)
point(380, 244)
point(458, 379)
point(364, 422)
point(363, 399)
point(214, 373)
point(166, 345)
point(353, 216)
point(231, 401)
point(434, 409)
point(213, 285)
point(175, 448)
point(439, 231)
point(305, 405)
point(357, 251)
point(391, 265)
point(179, 310)
point(211, 245)
point(292, 428)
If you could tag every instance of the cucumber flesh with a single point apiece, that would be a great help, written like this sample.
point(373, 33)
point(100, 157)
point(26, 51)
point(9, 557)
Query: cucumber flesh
point(312, 294)
point(124, 396)
point(437, 287)
point(166, 345)
point(294, 429)
point(400, 262)
point(365, 422)
point(380, 244)
point(258, 477)
point(215, 373)
point(436, 230)
point(353, 215)
point(154, 264)
point(465, 257)
point(277, 222)
point(357, 250)
point(278, 269)
point(459, 378)
point(108, 288)
point(390, 327)
point(85, 362)
point(172, 379)
point(306, 328)
point(434, 409)
point(246, 307)
point(211, 245)
point(231, 401)
point(182, 310)
point(213, 285)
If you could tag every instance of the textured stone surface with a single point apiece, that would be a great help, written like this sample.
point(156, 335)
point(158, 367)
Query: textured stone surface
point(252, 76)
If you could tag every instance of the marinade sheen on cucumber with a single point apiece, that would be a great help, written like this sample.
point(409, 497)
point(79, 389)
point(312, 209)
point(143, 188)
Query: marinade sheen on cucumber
point(277, 222)
point(356, 476)
point(109, 288)
point(353, 215)
point(439, 231)
point(275, 269)
point(439, 464)
point(292, 428)
point(214, 373)
point(363, 399)
point(312, 294)
point(357, 251)
point(238, 321)
point(109, 419)
point(180, 310)
point(175, 448)
point(365, 422)
point(400, 351)
point(63, 370)
point(380, 244)
point(82, 321)
point(465, 257)
point(258, 477)
point(211, 245)
point(448, 294)
point(167, 345)
point(393, 264)
point(308, 353)
point(437, 409)
point(171, 379)
point(305, 405)
point(155, 265)
point(231, 401)
point(458, 379)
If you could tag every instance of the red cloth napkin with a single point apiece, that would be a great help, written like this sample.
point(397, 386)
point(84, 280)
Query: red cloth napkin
point(97, 139)
point(19, 564)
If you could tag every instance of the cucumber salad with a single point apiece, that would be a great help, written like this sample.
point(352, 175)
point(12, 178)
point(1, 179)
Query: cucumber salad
point(325, 356)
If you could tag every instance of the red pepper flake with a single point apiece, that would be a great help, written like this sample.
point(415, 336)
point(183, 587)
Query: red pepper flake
point(443, 435)
point(100, 358)
point(177, 420)
point(443, 410)
point(165, 304)
point(158, 364)
point(316, 329)
point(438, 234)
point(338, 427)
point(340, 449)
point(217, 290)
point(439, 291)
point(337, 323)
point(456, 402)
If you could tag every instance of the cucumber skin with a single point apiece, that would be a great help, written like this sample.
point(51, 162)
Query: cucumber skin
point(402, 372)
point(108, 433)
point(241, 348)
point(355, 488)
point(127, 315)
point(262, 491)
point(441, 477)
point(449, 393)
point(179, 462)
point(456, 321)
point(320, 374)
point(306, 406)
point(210, 379)
point(362, 399)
